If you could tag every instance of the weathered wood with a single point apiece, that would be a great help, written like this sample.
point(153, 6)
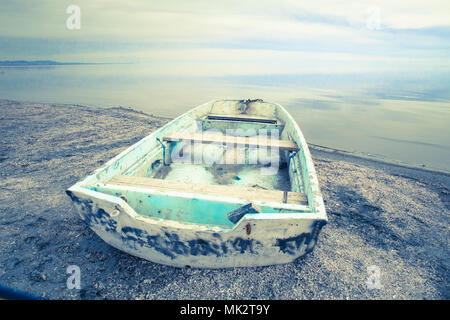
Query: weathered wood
point(236, 215)
point(250, 194)
point(225, 139)
point(241, 117)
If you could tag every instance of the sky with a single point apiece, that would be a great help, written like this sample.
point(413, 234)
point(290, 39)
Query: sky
point(251, 37)
point(367, 75)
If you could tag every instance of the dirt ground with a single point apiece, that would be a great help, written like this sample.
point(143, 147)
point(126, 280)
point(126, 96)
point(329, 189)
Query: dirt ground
point(382, 215)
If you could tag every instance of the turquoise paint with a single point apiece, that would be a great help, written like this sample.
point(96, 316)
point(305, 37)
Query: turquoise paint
point(307, 184)
point(185, 209)
point(177, 208)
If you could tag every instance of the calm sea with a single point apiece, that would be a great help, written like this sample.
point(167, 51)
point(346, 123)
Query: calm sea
point(400, 117)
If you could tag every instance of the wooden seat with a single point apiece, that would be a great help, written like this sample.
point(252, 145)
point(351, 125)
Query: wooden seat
point(241, 117)
point(224, 139)
point(246, 193)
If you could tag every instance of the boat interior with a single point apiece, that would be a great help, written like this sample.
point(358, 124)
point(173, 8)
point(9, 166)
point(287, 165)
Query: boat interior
point(244, 150)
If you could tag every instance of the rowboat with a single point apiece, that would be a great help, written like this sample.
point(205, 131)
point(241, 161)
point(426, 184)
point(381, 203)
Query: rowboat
point(230, 183)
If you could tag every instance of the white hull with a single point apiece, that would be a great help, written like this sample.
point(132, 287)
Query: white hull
point(281, 233)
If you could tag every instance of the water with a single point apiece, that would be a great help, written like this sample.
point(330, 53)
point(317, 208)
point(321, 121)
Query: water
point(397, 116)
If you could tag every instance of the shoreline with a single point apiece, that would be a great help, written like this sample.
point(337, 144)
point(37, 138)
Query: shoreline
point(311, 146)
point(389, 162)
point(384, 215)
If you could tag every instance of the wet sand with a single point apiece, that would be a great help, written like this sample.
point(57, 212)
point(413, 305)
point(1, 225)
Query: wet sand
point(384, 215)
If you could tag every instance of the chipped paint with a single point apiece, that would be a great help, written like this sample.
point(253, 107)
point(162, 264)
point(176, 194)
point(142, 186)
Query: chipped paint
point(181, 229)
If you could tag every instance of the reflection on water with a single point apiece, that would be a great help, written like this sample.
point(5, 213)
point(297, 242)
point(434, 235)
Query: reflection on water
point(400, 117)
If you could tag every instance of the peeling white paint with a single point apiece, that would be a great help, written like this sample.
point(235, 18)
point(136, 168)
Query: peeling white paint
point(257, 239)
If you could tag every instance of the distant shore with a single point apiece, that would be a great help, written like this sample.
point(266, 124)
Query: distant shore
point(26, 63)
point(381, 214)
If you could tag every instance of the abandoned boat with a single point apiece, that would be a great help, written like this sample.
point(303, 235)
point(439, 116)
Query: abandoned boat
point(229, 183)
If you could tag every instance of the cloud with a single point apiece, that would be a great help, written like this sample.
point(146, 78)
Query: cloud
point(201, 21)
point(226, 37)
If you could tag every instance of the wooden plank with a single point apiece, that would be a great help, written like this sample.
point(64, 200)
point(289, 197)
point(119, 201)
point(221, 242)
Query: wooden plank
point(224, 125)
point(246, 193)
point(224, 139)
point(241, 117)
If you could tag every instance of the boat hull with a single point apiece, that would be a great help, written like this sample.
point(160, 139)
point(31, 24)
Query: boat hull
point(254, 241)
point(187, 229)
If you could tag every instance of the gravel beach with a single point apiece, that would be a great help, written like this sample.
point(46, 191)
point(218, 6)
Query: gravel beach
point(392, 217)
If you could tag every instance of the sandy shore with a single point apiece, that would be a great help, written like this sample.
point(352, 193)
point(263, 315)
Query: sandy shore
point(393, 217)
